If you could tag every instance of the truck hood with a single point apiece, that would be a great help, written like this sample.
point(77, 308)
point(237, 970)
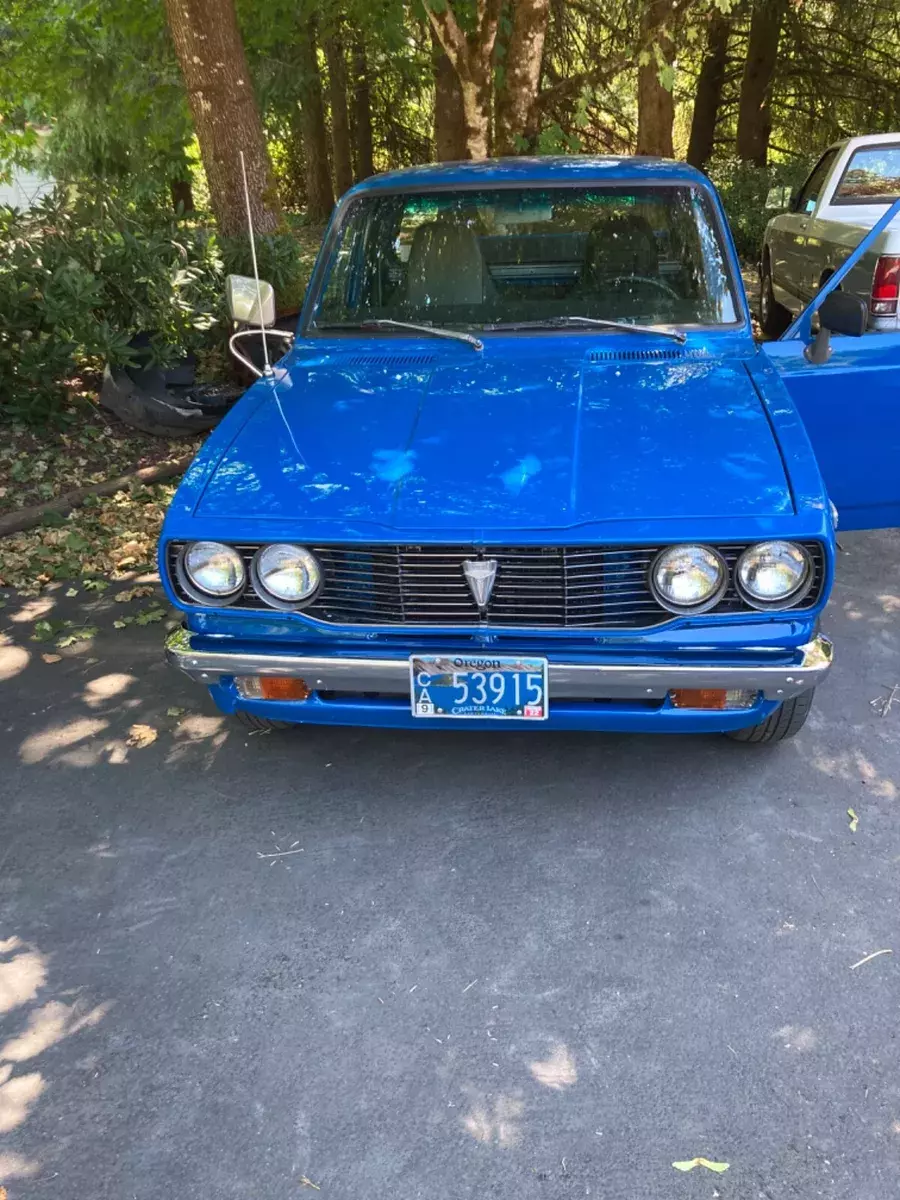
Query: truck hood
point(494, 442)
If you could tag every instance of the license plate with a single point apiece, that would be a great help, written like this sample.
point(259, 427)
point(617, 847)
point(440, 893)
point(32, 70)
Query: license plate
point(472, 685)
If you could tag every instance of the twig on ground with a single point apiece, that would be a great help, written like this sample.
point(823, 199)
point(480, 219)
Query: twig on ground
point(884, 704)
point(869, 957)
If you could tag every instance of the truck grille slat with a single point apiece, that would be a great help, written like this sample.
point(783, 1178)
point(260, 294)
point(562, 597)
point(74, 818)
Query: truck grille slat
point(543, 587)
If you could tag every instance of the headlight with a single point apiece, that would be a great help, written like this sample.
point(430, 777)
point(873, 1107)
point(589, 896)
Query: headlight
point(772, 572)
point(286, 574)
point(688, 578)
point(214, 569)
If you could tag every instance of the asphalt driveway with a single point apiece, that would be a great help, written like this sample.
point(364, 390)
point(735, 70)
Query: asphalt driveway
point(508, 965)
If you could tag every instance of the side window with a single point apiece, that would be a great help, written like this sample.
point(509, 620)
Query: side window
point(872, 177)
point(812, 189)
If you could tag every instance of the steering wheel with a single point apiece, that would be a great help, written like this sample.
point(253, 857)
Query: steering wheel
point(665, 288)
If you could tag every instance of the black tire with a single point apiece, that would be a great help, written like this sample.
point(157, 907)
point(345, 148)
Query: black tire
point(788, 719)
point(260, 724)
point(774, 318)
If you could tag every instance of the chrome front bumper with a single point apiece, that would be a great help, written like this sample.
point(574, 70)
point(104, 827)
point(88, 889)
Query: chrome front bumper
point(568, 681)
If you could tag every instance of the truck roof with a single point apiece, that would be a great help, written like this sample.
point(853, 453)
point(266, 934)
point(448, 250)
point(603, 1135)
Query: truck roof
point(549, 169)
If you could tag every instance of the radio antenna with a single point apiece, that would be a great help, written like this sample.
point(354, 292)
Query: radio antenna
point(267, 369)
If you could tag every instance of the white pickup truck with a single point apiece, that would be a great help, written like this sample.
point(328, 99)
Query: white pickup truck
point(848, 189)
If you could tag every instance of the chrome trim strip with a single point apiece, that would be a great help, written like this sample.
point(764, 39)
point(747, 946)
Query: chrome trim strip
point(568, 681)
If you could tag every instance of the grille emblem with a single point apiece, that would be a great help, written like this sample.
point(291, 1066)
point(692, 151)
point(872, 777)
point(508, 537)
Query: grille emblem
point(480, 574)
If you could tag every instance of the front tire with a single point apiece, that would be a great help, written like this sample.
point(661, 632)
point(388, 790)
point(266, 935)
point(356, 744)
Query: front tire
point(774, 318)
point(787, 720)
point(260, 724)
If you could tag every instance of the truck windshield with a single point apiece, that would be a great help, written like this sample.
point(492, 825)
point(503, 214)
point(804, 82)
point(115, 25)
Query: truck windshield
point(473, 258)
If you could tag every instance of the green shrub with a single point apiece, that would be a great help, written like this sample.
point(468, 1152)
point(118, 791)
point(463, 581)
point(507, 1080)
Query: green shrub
point(744, 189)
point(80, 274)
point(280, 262)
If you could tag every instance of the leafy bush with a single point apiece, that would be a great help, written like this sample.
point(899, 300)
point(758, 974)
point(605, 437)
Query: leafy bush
point(744, 189)
point(80, 274)
point(279, 261)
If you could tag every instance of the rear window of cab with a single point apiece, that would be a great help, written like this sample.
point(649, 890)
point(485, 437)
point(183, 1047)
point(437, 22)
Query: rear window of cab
point(872, 176)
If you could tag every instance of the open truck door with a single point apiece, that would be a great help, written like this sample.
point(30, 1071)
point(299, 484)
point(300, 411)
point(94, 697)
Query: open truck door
point(846, 386)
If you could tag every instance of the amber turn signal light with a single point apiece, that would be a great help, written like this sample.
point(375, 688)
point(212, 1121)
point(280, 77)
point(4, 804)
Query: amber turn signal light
point(283, 687)
point(716, 698)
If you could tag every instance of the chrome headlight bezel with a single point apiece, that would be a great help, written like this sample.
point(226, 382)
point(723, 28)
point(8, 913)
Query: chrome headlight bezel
point(310, 563)
point(702, 605)
point(197, 591)
point(788, 599)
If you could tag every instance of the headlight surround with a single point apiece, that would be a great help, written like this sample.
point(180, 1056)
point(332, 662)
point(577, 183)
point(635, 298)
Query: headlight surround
point(689, 578)
point(770, 574)
point(286, 576)
point(212, 571)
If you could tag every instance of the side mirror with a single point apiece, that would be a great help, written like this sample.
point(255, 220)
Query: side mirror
point(779, 198)
point(243, 300)
point(842, 313)
point(839, 312)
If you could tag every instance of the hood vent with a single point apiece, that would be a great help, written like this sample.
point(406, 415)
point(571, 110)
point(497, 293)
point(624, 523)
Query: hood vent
point(391, 360)
point(676, 353)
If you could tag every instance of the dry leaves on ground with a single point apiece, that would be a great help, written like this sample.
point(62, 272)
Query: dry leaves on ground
point(140, 736)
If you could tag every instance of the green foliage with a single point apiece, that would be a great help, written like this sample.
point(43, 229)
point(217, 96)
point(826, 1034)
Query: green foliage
point(279, 261)
point(79, 275)
point(744, 189)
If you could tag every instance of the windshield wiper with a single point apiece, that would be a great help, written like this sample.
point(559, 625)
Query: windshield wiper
point(591, 322)
point(455, 335)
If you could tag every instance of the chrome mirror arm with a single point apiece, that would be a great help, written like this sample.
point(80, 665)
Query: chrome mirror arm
point(251, 366)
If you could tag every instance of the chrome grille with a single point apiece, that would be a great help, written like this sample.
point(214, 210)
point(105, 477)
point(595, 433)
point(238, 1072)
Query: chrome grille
point(545, 587)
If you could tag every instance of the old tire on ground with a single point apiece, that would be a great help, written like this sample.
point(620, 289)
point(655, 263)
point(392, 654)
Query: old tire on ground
point(774, 318)
point(788, 719)
point(260, 724)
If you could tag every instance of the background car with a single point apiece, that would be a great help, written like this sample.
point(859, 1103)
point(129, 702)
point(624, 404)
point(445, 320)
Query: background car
point(847, 191)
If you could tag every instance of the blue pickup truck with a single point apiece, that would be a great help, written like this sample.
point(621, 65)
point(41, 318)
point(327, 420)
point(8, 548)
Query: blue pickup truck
point(523, 465)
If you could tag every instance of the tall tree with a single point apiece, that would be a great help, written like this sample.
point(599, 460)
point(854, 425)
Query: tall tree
point(524, 57)
point(449, 119)
point(340, 115)
point(311, 120)
point(754, 125)
point(471, 55)
point(656, 76)
point(363, 158)
point(708, 95)
point(210, 51)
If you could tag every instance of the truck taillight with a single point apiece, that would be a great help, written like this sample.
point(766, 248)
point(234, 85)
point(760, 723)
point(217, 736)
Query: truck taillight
point(885, 287)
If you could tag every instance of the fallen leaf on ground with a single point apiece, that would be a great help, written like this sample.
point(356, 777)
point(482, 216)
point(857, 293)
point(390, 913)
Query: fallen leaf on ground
point(306, 1183)
point(854, 820)
point(141, 736)
point(132, 594)
point(72, 591)
point(51, 658)
point(174, 712)
point(84, 634)
point(690, 1163)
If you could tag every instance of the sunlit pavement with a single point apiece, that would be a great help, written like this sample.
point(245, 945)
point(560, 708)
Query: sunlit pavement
point(487, 965)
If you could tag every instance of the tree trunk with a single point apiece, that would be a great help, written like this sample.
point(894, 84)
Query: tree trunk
point(208, 44)
point(449, 122)
point(656, 104)
point(754, 119)
point(340, 116)
point(708, 97)
point(319, 192)
point(524, 57)
point(471, 56)
point(364, 165)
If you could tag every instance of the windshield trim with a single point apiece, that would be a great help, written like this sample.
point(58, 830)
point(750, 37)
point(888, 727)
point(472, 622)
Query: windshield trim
point(307, 326)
